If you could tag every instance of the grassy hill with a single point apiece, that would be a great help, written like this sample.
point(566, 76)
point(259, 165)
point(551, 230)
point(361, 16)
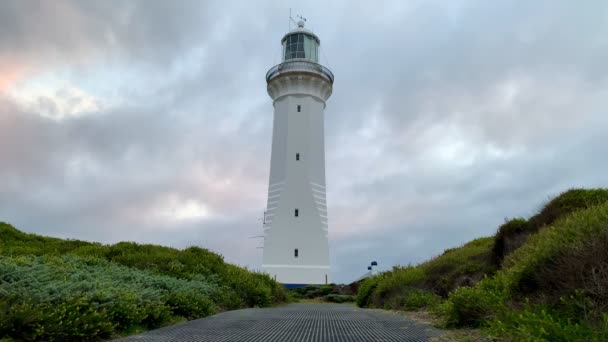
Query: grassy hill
point(539, 279)
point(54, 289)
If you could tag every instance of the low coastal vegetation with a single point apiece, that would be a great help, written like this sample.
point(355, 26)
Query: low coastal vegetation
point(539, 279)
point(54, 289)
point(330, 293)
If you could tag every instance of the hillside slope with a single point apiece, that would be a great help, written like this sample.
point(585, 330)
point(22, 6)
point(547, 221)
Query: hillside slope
point(541, 279)
point(55, 289)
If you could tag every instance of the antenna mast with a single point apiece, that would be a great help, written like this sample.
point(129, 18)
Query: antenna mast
point(292, 20)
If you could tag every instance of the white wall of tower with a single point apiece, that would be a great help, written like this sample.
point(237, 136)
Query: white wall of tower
point(297, 184)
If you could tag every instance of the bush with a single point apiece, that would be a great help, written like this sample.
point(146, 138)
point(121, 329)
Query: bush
point(126, 311)
point(462, 266)
point(540, 323)
point(337, 298)
point(312, 291)
point(539, 271)
point(472, 306)
point(551, 287)
point(567, 203)
point(75, 318)
point(70, 297)
point(417, 299)
point(582, 270)
point(524, 267)
point(190, 304)
point(19, 319)
point(54, 289)
point(241, 287)
point(412, 287)
point(392, 284)
point(514, 233)
point(365, 291)
point(510, 236)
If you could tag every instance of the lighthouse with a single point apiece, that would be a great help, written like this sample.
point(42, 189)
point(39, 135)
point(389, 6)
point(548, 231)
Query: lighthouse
point(296, 248)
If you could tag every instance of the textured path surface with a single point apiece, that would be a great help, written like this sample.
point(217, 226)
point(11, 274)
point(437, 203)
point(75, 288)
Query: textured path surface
point(296, 322)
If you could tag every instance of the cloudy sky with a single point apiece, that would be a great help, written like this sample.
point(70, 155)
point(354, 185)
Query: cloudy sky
point(149, 121)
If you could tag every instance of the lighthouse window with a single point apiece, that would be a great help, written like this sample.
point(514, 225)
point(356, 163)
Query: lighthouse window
point(297, 212)
point(294, 46)
point(300, 45)
point(297, 156)
point(299, 108)
point(295, 253)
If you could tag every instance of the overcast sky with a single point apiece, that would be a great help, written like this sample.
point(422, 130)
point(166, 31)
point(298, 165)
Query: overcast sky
point(149, 121)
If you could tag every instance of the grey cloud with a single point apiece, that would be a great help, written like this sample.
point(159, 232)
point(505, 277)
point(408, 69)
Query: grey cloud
point(76, 30)
point(426, 146)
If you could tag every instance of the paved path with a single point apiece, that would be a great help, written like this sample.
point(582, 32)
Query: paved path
point(295, 322)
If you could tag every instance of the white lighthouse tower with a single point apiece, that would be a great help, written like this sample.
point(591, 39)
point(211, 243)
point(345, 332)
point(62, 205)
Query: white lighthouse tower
point(296, 249)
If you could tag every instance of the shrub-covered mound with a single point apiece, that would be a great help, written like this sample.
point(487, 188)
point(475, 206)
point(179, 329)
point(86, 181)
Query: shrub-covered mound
point(413, 287)
point(152, 285)
point(338, 298)
point(311, 291)
point(551, 286)
point(71, 297)
point(331, 293)
point(462, 266)
point(514, 233)
point(559, 277)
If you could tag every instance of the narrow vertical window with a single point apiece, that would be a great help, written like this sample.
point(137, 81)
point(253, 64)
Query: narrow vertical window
point(297, 156)
point(299, 108)
point(295, 253)
point(297, 212)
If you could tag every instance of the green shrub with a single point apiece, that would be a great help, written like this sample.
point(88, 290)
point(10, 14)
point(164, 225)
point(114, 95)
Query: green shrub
point(19, 319)
point(190, 304)
point(416, 299)
point(524, 274)
point(567, 203)
point(76, 318)
point(392, 284)
point(240, 287)
point(126, 310)
point(524, 266)
point(509, 237)
point(337, 298)
point(42, 292)
point(541, 323)
point(473, 306)
point(312, 291)
point(461, 266)
point(412, 287)
point(54, 289)
point(514, 233)
point(365, 291)
point(156, 314)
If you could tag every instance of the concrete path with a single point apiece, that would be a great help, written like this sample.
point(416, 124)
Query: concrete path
point(295, 322)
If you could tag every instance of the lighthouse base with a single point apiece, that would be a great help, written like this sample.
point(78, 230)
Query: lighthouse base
point(299, 274)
